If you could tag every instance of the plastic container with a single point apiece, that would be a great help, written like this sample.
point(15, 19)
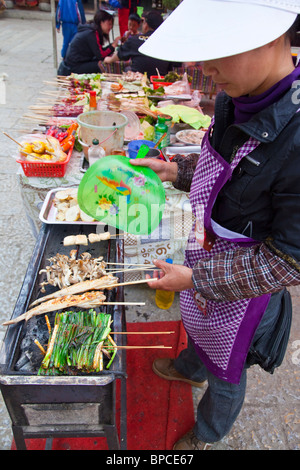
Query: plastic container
point(163, 298)
point(133, 127)
point(169, 123)
point(39, 168)
point(123, 196)
point(93, 101)
point(134, 146)
point(158, 81)
point(45, 169)
point(106, 126)
point(161, 129)
point(95, 152)
point(154, 153)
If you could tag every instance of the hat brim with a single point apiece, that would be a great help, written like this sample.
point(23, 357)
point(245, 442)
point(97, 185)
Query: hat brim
point(201, 30)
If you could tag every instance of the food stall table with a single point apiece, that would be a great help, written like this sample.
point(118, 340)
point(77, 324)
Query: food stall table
point(168, 240)
point(35, 189)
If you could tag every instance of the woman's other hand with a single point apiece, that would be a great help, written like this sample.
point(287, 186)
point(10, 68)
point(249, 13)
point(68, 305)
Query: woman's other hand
point(166, 171)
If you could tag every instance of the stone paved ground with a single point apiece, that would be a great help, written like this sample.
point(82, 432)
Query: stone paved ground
point(270, 416)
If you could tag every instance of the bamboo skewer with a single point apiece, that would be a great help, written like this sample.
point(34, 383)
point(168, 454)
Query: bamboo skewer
point(11, 138)
point(36, 341)
point(123, 303)
point(32, 154)
point(141, 332)
point(56, 84)
point(23, 151)
point(132, 264)
point(129, 283)
point(161, 346)
point(114, 271)
point(160, 140)
point(36, 118)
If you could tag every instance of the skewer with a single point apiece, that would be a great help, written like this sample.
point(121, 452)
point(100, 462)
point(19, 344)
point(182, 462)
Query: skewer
point(132, 264)
point(128, 269)
point(53, 93)
point(129, 283)
point(142, 347)
point(36, 341)
point(27, 153)
point(160, 140)
point(36, 118)
point(20, 145)
point(11, 138)
point(141, 332)
point(48, 324)
point(56, 83)
point(123, 303)
point(41, 106)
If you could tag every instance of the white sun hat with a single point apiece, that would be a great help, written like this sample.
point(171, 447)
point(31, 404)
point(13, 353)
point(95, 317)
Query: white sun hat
point(200, 30)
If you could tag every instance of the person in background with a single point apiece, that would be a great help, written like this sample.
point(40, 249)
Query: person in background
point(134, 22)
point(69, 14)
point(130, 49)
point(126, 8)
point(88, 48)
point(243, 251)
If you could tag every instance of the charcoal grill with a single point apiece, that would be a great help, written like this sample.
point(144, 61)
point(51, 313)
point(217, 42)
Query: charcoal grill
point(63, 406)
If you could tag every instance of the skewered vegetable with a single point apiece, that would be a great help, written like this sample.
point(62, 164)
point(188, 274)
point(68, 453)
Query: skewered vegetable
point(78, 343)
point(65, 270)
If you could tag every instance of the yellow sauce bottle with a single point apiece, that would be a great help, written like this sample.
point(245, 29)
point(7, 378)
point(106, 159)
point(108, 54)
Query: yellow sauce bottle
point(164, 298)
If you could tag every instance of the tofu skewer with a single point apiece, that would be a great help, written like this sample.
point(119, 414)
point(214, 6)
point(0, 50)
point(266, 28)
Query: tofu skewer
point(83, 239)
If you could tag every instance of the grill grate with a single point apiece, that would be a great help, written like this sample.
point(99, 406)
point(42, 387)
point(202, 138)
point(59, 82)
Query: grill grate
point(69, 400)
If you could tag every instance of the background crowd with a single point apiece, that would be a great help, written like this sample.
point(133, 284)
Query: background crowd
point(88, 48)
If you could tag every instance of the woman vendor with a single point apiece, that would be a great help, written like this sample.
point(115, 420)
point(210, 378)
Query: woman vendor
point(244, 249)
point(87, 50)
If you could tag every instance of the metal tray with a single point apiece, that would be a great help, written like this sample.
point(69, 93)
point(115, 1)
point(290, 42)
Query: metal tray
point(48, 211)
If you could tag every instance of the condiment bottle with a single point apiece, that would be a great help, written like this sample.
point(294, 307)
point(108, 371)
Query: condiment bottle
point(159, 130)
point(164, 298)
point(168, 122)
point(95, 152)
point(93, 101)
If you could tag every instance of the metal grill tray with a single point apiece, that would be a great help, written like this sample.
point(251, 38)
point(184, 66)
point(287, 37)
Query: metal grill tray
point(48, 211)
point(49, 243)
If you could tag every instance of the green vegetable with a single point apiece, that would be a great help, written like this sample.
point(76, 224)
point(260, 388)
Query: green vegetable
point(76, 344)
point(77, 145)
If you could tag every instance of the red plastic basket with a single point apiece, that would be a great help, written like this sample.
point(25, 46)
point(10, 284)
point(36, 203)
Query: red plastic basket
point(158, 82)
point(45, 169)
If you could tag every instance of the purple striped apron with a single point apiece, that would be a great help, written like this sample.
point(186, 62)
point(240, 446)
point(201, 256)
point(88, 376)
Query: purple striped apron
point(220, 331)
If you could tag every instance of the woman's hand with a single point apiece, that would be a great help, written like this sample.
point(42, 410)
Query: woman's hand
point(166, 171)
point(174, 277)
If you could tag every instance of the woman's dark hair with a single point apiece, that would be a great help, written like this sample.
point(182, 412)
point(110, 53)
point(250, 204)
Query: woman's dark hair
point(102, 15)
point(293, 34)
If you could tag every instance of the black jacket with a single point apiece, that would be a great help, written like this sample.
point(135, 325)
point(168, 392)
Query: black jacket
point(140, 62)
point(262, 200)
point(86, 47)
